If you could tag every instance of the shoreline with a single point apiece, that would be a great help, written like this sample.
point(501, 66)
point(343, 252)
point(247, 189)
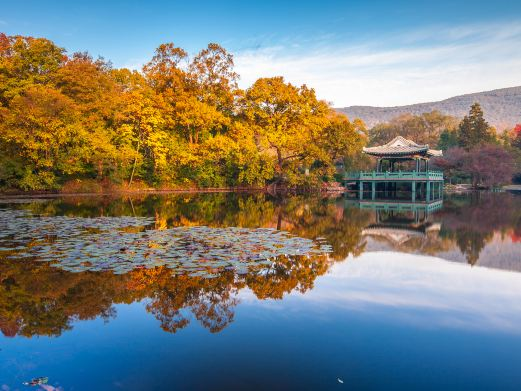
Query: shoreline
point(195, 190)
point(266, 190)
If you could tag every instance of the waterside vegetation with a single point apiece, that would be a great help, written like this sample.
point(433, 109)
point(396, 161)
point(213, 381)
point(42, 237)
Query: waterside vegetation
point(73, 123)
point(181, 121)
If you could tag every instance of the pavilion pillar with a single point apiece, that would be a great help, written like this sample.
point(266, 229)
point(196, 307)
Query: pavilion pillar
point(361, 190)
point(413, 185)
point(428, 192)
point(373, 190)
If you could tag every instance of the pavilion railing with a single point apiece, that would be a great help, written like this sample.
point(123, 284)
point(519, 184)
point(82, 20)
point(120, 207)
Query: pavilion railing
point(397, 175)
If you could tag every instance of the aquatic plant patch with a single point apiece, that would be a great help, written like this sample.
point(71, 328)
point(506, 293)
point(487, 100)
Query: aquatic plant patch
point(121, 244)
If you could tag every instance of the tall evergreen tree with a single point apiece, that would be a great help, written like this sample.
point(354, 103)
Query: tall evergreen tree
point(473, 129)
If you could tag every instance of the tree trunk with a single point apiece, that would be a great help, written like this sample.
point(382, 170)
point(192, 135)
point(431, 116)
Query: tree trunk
point(100, 169)
point(280, 161)
point(134, 165)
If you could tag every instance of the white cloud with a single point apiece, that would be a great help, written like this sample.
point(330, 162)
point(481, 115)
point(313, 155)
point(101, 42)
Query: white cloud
point(421, 290)
point(429, 64)
point(135, 64)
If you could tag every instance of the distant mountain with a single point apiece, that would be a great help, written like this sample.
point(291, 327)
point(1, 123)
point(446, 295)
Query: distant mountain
point(502, 108)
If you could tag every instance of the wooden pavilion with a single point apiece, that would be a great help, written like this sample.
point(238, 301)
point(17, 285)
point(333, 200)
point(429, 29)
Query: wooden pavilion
point(402, 167)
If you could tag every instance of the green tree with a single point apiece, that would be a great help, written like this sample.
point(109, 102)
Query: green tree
point(473, 130)
point(448, 139)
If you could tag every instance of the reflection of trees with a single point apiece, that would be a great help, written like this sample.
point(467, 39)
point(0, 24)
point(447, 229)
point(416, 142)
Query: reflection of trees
point(38, 299)
point(308, 217)
point(471, 243)
point(286, 275)
point(472, 219)
point(211, 301)
point(468, 223)
point(314, 218)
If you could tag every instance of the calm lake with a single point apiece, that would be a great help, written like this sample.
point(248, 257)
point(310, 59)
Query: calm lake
point(251, 292)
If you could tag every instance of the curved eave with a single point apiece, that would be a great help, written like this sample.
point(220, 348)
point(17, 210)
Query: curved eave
point(395, 153)
point(434, 153)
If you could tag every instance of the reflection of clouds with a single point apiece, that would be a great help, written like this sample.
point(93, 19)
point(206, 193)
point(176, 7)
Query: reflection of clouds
point(424, 291)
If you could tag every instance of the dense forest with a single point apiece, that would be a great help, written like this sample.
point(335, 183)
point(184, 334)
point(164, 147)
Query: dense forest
point(72, 122)
point(69, 120)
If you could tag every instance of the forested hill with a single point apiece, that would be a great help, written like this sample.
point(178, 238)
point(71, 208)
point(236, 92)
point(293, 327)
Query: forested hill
point(502, 108)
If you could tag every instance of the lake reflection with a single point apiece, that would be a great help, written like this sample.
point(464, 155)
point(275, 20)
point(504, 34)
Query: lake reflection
point(301, 283)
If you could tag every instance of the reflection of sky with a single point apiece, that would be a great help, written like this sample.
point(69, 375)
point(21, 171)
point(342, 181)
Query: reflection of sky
point(382, 321)
point(418, 290)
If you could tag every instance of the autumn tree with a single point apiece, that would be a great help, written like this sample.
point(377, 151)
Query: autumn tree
point(164, 72)
point(423, 129)
point(288, 121)
point(92, 86)
point(213, 77)
point(24, 62)
point(140, 125)
point(42, 128)
point(488, 165)
point(342, 138)
point(180, 121)
point(516, 136)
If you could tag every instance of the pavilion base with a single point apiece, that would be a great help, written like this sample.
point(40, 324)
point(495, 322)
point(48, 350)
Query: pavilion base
point(405, 190)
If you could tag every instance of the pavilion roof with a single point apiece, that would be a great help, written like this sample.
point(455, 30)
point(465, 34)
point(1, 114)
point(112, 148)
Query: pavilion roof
point(400, 146)
point(399, 234)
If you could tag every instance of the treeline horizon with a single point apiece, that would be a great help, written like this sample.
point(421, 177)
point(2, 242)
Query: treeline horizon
point(72, 122)
point(180, 121)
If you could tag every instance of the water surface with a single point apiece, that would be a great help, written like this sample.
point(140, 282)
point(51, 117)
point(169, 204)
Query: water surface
point(247, 291)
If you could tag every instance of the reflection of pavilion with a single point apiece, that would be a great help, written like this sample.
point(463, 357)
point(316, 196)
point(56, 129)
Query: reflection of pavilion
point(398, 222)
point(399, 205)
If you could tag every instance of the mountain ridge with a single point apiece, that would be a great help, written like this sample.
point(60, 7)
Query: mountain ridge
point(502, 108)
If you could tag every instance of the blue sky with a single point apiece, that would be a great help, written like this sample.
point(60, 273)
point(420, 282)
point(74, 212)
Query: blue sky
point(351, 52)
